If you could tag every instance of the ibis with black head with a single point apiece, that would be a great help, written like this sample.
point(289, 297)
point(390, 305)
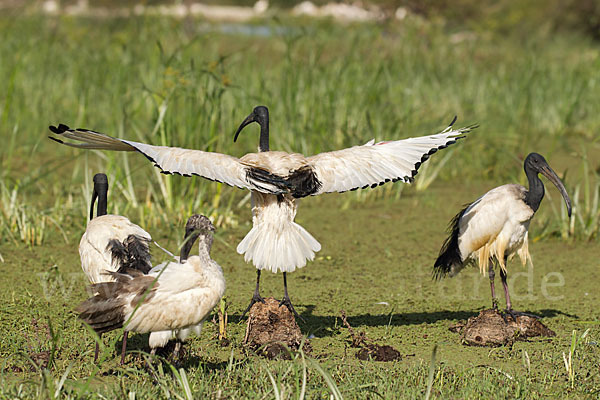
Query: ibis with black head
point(492, 229)
point(278, 179)
point(111, 243)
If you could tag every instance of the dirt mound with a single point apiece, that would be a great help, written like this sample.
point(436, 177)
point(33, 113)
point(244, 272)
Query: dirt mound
point(375, 352)
point(272, 330)
point(368, 349)
point(491, 328)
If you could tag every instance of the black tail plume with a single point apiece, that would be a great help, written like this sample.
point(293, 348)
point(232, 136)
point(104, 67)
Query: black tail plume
point(132, 253)
point(450, 253)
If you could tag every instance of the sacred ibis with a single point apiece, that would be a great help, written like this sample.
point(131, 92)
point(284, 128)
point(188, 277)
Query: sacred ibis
point(494, 227)
point(161, 338)
point(111, 243)
point(171, 299)
point(277, 179)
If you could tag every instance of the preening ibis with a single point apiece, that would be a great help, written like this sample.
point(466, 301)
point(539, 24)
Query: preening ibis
point(277, 179)
point(494, 227)
point(172, 299)
point(111, 243)
point(161, 338)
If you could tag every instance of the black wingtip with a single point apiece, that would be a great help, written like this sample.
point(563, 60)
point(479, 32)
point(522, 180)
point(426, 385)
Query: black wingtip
point(454, 120)
point(62, 128)
point(56, 140)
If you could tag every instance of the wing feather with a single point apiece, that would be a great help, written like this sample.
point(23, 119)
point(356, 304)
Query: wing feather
point(374, 164)
point(173, 160)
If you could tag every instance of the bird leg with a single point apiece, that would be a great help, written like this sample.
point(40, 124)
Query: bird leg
point(506, 294)
point(97, 348)
point(256, 296)
point(509, 309)
point(286, 299)
point(124, 347)
point(492, 274)
point(176, 350)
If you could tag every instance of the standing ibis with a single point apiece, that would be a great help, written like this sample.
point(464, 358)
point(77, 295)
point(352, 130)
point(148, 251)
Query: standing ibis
point(161, 338)
point(172, 299)
point(277, 179)
point(111, 243)
point(494, 227)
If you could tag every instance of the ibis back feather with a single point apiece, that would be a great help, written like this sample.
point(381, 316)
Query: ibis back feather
point(494, 227)
point(178, 298)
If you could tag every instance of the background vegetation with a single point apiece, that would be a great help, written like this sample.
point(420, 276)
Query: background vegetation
point(527, 73)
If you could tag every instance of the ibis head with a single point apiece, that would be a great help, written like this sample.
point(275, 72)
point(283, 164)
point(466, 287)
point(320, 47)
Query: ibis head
point(196, 225)
point(536, 164)
point(260, 114)
point(101, 193)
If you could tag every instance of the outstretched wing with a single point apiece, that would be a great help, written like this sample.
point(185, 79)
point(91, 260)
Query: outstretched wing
point(374, 164)
point(174, 160)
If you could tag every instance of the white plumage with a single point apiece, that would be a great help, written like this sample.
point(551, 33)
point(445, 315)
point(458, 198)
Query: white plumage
point(183, 296)
point(369, 165)
point(96, 258)
point(111, 243)
point(277, 179)
point(496, 225)
point(171, 302)
point(276, 242)
point(494, 228)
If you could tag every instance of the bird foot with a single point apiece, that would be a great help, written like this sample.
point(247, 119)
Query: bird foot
point(495, 304)
point(176, 355)
point(255, 299)
point(514, 314)
point(288, 303)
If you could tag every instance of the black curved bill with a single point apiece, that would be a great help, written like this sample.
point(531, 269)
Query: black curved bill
point(551, 175)
point(249, 119)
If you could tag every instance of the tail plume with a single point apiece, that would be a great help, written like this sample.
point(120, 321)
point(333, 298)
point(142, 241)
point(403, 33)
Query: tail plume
point(132, 253)
point(450, 258)
point(105, 311)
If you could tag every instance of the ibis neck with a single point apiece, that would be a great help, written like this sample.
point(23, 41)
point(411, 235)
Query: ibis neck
point(535, 194)
point(102, 209)
point(204, 245)
point(100, 194)
point(263, 144)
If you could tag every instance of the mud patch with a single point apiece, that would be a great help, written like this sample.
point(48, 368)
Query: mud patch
point(368, 349)
point(272, 331)
point(491, 328)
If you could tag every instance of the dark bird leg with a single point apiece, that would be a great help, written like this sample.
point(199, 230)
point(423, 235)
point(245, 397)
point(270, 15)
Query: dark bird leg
point(492, 275)
point(286, 299)
point(176, 356)
point(256, 296)
point(124, 347)
point(509, 309)
point(97, 349)
point(506, 294)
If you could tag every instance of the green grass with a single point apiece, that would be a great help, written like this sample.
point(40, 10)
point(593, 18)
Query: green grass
point(354, 274)
point(185, 83)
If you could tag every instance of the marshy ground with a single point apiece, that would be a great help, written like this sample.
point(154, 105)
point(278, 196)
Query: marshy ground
point(376, 265)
